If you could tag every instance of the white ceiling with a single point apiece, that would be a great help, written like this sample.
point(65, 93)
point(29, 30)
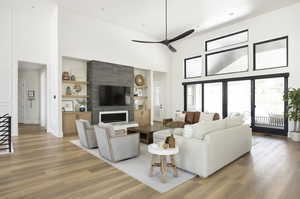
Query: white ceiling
point(148, 15)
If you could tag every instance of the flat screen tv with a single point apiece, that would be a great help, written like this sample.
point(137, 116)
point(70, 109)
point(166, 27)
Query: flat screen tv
point(114, 96)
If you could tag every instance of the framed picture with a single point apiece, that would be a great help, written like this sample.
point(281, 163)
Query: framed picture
point(68, 105)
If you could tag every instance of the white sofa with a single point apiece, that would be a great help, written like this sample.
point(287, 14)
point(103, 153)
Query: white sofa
point(217, 149)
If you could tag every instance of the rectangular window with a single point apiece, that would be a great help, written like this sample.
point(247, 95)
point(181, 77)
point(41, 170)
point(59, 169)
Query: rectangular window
point(271, 54)
point(227, 61)
point(194, 97)
point(193, 67)
point(228, 40)
point(213, 98)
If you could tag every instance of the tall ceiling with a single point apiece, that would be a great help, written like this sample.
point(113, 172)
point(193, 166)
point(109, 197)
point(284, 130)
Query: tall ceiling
point(148, 15)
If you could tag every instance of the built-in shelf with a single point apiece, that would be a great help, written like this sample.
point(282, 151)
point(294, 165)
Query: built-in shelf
point(74, 82)
point(139, 97)
point(140, 87)
point(75, 96)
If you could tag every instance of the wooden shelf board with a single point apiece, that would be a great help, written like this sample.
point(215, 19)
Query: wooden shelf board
point(74, 82)
point(75, 96)
point(140, 97)
point(140, 87)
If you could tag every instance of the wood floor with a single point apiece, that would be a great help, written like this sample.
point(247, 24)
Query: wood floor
point(44, 167)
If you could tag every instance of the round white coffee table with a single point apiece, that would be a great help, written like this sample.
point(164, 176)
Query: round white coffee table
point(157, 151)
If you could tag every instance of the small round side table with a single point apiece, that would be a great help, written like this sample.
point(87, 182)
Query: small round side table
point(156, 151)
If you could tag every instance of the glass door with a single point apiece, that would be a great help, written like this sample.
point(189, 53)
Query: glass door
point(239, 99)
point(269, 107)
point(213, 98)
point(194, 97)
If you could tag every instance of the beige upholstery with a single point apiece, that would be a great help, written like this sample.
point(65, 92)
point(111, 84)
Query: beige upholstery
point(116, 146)
point(86, 134)
point(190, 118)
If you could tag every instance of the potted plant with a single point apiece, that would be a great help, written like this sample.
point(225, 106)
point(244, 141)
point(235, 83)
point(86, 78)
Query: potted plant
point(293, 99)
point(82, 104)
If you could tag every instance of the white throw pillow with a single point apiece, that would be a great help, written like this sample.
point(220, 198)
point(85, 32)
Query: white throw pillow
point(234, 121)
point(206, 117)
point(201, 129)
point(188, 131)
point(179, 116)
point(178, 131)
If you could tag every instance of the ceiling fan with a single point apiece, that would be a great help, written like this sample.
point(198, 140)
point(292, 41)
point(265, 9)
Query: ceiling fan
point(167, 42)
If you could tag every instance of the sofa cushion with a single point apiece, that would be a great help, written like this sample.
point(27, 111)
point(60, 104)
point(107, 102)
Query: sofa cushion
point(179, 116)
point(196, 118)
point(188, 131)
point(178, 131)
point(189, 117)
point(201, 129)
point(207, 117)
point(234, 121)
point(175, 124)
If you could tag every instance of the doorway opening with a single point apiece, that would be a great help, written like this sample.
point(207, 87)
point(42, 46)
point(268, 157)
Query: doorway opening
point(159, 96)
point(32, 96)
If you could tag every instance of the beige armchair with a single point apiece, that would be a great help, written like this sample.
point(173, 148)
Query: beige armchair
point(116, 145)
point(86, 134)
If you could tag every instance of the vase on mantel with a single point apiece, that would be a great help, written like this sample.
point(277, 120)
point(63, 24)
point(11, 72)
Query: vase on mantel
point(82, 108)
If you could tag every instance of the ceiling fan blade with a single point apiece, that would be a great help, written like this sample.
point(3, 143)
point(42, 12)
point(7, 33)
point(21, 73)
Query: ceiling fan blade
point(185, 34)
point(172, 48)
point(146, 42)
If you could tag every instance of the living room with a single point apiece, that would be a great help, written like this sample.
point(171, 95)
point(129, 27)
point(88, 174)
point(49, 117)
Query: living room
point(208, 111)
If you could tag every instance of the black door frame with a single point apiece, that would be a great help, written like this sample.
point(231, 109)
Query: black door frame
point(283, 131)
point(225, 98)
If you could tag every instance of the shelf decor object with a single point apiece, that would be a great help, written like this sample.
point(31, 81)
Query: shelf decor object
point(66, 76)
point(68, 105)
point(139, 80)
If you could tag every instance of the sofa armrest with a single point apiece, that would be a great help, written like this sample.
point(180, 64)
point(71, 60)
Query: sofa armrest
point(167, 120)
point(225, 146)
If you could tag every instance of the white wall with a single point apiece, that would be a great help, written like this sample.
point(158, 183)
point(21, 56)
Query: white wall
point(28, 34)
point(44, 97)
point(5, 55)
point(275, 24)
point(29, 79)
point(89, 38)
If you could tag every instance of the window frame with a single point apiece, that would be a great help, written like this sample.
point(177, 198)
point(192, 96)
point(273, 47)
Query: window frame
point(269, 41)
point(225, 97)
point(185, 65)
point(228, 35)
point(219, 52)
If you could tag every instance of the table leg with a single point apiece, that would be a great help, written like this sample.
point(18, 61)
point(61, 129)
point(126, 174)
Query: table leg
point(163, 162)
point(174, 165)
point(152, 165)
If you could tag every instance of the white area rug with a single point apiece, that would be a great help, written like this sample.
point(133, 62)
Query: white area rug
point(138, 168)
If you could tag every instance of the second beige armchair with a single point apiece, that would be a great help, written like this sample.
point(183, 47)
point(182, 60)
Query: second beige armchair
point(116, 146)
